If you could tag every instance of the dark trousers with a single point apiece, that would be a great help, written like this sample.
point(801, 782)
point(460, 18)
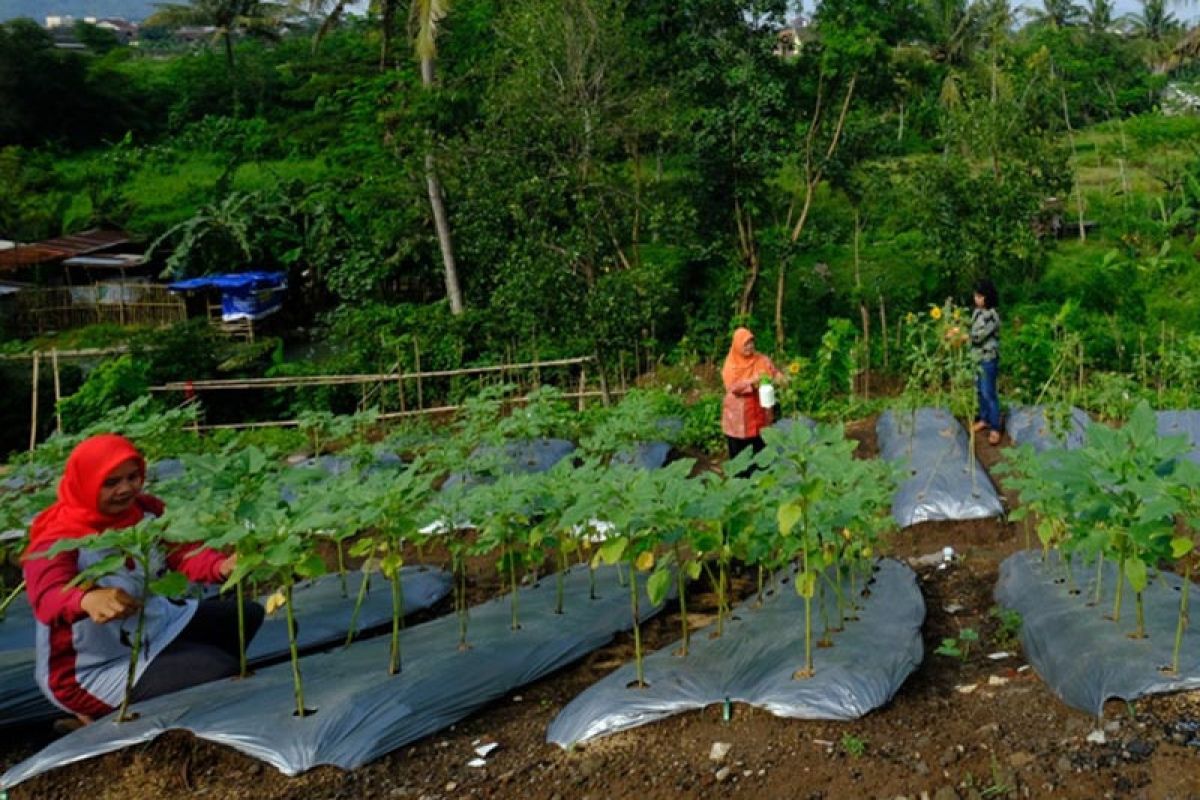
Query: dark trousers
point(737, 445)
point(989, 399)
point(206, 650)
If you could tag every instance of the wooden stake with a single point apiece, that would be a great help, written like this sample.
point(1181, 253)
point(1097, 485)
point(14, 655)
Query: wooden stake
point(33, 413)
point(57, 390)
point(420, 390)
point(582, 386)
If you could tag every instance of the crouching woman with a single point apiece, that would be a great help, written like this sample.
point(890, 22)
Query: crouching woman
point(85, 633)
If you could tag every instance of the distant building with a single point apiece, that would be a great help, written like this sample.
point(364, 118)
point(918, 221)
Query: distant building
point(195, 33)
point(124, 30)
point(59, 21)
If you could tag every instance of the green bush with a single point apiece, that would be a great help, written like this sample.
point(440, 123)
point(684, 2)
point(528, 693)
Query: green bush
point(114, 383)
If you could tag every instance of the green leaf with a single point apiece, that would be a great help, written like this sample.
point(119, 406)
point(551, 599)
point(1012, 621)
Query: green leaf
point(311, 567)
point(806, 584)
point(612, 550)
point(658, 585)
point(1135, 570)
point(693, 569)
point(789, 515)
point(1181, 546)
point(173, 584)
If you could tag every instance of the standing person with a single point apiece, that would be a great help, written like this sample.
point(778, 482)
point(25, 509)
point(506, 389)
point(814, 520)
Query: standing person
point(985, 345)
point(84, 633)
point(742, 416)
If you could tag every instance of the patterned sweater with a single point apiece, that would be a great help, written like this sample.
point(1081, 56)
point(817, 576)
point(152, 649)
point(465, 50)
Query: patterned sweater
point(985, 334)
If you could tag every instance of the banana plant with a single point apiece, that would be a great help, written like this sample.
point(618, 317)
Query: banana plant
point(140, 545)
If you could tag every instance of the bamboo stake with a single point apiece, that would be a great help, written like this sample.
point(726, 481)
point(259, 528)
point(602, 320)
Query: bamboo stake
point(420, 389)
point(33, 413)
point(57, 390)
point(884, 329)
point(582, 387)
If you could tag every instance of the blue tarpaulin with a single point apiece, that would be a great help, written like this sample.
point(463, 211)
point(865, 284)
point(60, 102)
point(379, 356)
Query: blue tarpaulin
point(244, 295)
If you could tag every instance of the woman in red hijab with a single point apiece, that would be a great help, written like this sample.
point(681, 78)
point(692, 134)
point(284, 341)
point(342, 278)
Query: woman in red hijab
point(84, 633)
point(742, 416)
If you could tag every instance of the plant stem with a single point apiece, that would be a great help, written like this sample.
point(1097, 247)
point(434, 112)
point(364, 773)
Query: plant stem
point(681, 586)
point(358, 603)
point(341, 562)
point(637, 627)
point(759, 602)
point(512, 573)
point(561, 577)
point(397, 615)
point(1099, 578)
point(1183, 614)
point(460, 590)
point(1116, 615)
point(591, 582)
point(620, 574)
point(243, 671)
point(722, 578)
point(1140, 633)
point(135, 652)
point(8, 601)
point(295, 651)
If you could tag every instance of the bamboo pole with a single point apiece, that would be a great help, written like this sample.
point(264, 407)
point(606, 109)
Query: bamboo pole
point(57, 390)
point(33, 411)
point(883, 328)
point(351, 378)
point(420, 388)
point(582, 386)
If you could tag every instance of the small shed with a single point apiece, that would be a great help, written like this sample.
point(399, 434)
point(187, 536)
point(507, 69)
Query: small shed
point(245, 297)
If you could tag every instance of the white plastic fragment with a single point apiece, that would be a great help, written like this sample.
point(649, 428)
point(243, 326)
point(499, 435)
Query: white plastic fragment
point(1097, 737)
point(954, 608)
point(966, 688)
point(996, 680)
point(478, 763)
point(719, 750)
point(484, 750)
point(999, 656)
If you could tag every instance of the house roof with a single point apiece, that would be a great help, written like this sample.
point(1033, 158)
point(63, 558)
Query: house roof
point(58, 249)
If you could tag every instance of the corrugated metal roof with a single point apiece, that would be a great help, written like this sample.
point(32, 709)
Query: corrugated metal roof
point(62, 247)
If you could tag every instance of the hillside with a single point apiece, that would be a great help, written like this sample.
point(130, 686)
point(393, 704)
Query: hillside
point(38, 9)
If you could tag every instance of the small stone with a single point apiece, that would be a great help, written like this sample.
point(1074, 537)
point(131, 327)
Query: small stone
point(723, 774)
point(1063, 764)
point(1019, 760)
point(991, 729)
point(945, 793)
point(1097, 737)
point(996, 680)
point(1112, 726)
point(966, 688)
point(517, 698)
point(954, 608)
point(719, 750)
point(1139, 748)
point(746, 773)
point(451, 786)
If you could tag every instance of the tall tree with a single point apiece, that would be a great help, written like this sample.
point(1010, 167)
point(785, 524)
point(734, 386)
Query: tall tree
point(1055, 13)
point(1099, 15)
point(425, 17)
point(228, 18)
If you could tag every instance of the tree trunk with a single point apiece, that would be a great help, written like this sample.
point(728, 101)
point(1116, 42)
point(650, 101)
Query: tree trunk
point(440, 220)
point(233, 78)
point(387, 23)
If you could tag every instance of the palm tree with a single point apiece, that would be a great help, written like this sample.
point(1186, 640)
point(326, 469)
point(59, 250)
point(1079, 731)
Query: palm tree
point(424, 18)
point(1099, 15)
point(1056, 13)
point(227, 18)
point(1153, 22)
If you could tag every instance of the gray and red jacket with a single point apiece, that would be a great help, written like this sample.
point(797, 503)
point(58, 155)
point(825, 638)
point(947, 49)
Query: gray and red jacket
point(81, 665)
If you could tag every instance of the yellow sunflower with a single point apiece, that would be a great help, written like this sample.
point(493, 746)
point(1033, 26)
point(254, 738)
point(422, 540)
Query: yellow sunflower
point(794, 368)
point(936, 312)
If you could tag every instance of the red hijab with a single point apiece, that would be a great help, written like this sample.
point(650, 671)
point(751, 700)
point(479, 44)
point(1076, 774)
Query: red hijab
point(740, 367)
point(77, 512)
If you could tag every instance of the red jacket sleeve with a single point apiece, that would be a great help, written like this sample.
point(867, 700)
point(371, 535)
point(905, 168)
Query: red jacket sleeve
point(46, 580)
point(198, 563)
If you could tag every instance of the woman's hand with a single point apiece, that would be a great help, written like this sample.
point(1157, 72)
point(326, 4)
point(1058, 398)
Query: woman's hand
point(105, 605)
point(227, 567)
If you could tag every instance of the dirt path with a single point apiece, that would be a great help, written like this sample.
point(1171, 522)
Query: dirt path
point(1008, 736)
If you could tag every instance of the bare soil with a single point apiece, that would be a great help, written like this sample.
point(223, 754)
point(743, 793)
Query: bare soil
point(959, 728)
